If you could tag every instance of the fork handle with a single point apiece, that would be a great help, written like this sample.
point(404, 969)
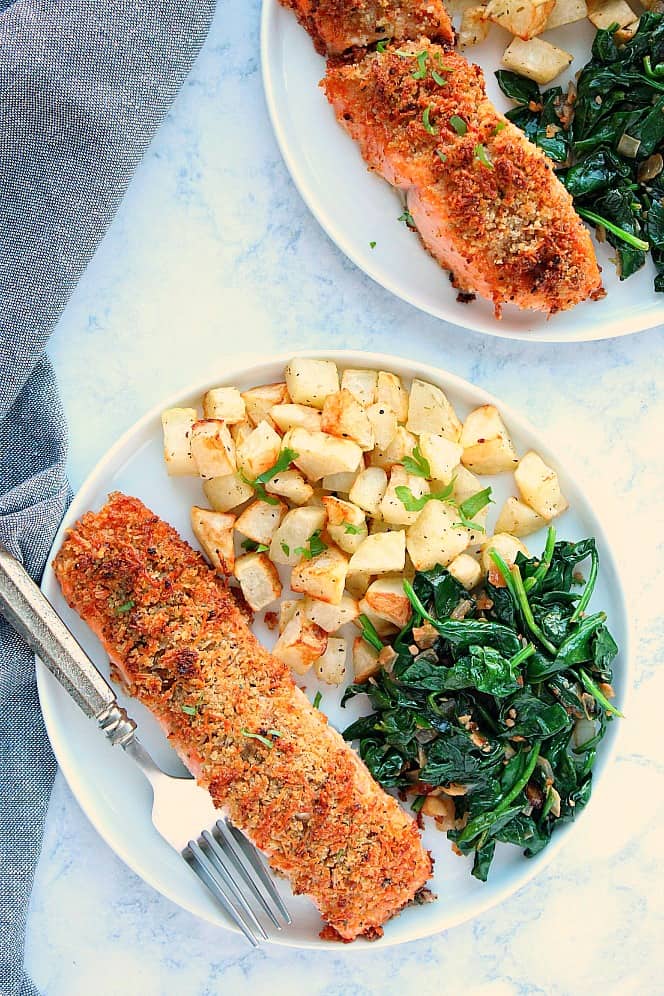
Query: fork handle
point(31, 614)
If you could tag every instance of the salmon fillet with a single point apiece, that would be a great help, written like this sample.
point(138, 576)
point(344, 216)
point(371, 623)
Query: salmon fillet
point(338, 25)
point(485, 201)
point(235, 716)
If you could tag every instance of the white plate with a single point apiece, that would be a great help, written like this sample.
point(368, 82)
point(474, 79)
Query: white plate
point(356, 207)
point(112, 792)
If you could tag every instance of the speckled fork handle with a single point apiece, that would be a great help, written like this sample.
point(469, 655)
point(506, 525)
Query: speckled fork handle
point(34, 618)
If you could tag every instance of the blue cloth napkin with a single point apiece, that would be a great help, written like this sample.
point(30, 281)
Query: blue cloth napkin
point(83, 87)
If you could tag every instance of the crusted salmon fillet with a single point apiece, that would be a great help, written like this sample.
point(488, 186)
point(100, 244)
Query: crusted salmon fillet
point(338, 25)
point(233, 712)
point(485, 201)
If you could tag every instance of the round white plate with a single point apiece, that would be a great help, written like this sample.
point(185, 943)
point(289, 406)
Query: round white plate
point(113, 793)
point(356, 207)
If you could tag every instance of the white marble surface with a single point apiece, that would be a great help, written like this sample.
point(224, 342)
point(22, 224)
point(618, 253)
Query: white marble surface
point(213, 253)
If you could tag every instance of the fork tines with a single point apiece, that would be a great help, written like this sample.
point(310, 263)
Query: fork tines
point(231, 867)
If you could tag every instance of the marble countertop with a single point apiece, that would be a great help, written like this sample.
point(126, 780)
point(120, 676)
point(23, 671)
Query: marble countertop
point(213, 252)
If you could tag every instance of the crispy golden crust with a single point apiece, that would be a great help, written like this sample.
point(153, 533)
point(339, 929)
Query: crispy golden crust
point(178, 639)
point(505, 227)
point(338, 25)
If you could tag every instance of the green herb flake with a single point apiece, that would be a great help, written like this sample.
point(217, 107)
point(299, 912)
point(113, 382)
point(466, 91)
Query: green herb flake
point(352, 529)
point(458, 124)
point(257, 736)
point(441, 156)
point(437, 78)
point(499, 127)
point(314, 546)
point(125, 607)
point(407, 219)
point(426, 121)
point(421, 70)
point(251, 546)
point(416, 504)
point(417, 464)
point(318, 698)
point(372, 245)
point(382, 44)
point(286, 457)
point(190, 710)
point(481, 153)
point(285, 547)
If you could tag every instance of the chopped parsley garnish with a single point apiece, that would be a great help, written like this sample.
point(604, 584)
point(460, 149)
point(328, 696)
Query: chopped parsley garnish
point(353, 530)
point(441, 156)
point(251, 546)
point(372, 245)
point(124, 607)
point(382, 44)
point(190, 710)
point(437, 78)
point(285, 547)
point(318, 698)
point(468, 508)
point(499, 127)
point(259, 736)
point(314, 546)
point(286, 457)
point(413, 504)
point(458, 124)
point(407, 219)
point(471, 506)
point(369, 632)
point(426, 120)
point(421, 70)
point(481, 154)
point(417, 464)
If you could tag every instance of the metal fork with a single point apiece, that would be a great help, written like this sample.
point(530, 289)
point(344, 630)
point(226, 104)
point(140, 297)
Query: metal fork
point(227, 863)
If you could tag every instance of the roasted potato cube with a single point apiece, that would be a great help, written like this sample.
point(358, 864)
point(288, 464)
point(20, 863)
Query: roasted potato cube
point(443, 810)
point(212, 448)
point(290, 484)
point(626, 33)
point(368, 489)
point(295, 531)
point(566, 12)
point(346, 523)
point(435, 538)
point(331, 667)
point(474, 26)
point(259, 451)
point(287, 609)
point(227, 492)
point(384, 628)
point(507, 546)
point(319, 454)
point(539, 486)
point(292, 416)
point(518, 519)
point(487, 447)
point(323, 576)
point(365, 660)
point(604, 13)
point(310, 381)
point(402, 445)
point(301, 643)
point(225, 403)
point(344, 416)
point(361, 384)
point(357, 583)
point(339, 482)
point(384, 424)
point(260, 401)
point(386, 598)
point(331, 617)
point(430, 411)
point(258, 580)
point(177, 424)
point(382, 553)
point(214, 532)
point(523, 18)
point(392, 508)
point(442, 455)
point(391, 392)
point(466, 570)
point(240, 431)
point(537, 59)
point(259, 521)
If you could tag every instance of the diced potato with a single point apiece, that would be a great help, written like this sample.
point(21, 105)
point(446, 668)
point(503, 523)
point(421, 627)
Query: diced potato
point(259, 451)
point(518, 519)
point(296, 528)
point(292, 416)
point(301, 643)
point(382, 553)
point(240, 431)
point(341, 483)
point(212, 448)
point(346, 523)
point(474, 26)
point(466, 570)
point(290, 484)
point(377, 525)
point(365, 660)
point(536, 59)
point(391, 392)
point(345, 417)
point(316, 500)
point(626, 33)
point(386, 598)
point(443, 810)
point(442, 455)
point(368, 490)
point(259, 521)
point(214, 531)
point(361, 384)
point(456, 7)
point(331, 667)
point(259, 401)
point(507, 546)
point(430, 411)
point(539, 486)
point(287, 609)
point(435, 539)
point(566, 12)
point(319, 454)
point(225, 403)
point(258, 580)
point(323, 576)
point(310, 381)
point(603, 13)
point(331, 617)
point(177, 425)
point(402, 445)
point(384, 424)
point(487, 447)
point(227, 492)
point(392, 508)
point(523, 18)
point(384, 628)
point(357, 583)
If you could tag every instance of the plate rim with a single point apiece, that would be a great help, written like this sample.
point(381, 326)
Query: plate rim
point(243, 368)
point(612, 328)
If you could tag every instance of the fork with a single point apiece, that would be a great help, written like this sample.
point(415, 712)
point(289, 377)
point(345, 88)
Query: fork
point(226, 862)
